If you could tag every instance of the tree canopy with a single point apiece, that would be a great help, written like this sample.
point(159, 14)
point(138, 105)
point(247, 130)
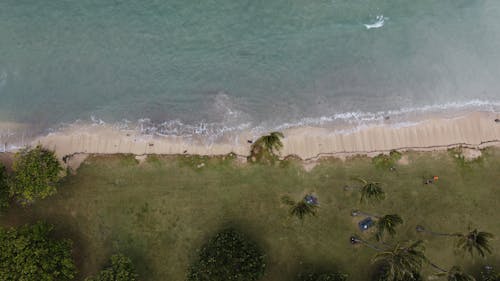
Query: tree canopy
point(121, 269)
point(387, 224)
point(29, 253)
point(300, 209)
point(371, 191)
point(36, 172)
point(265, 149)
point(4, 189)
point(230, 255)
point(475, 241)
point(402, 262)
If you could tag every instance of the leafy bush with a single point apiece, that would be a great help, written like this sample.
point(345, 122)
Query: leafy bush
point(121, 269)
point(28, 253)
point(36, 173)
point(4, 189)
point(384, 161)
point(229, 255)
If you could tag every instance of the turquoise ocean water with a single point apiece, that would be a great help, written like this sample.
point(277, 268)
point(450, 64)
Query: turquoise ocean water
point(207, 67)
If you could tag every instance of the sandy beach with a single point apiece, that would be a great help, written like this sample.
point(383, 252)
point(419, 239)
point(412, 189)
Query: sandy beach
point(475, 130)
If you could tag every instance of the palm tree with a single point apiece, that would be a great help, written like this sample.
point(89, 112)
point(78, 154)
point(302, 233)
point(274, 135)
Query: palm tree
point(371, 191)
point(266, 147)
point(387, 224)
point(398, 262)
point(384, 224)
point(455, 274)
point(401, 262)
point(300, 209)
point(473, 241)
point(272, 142)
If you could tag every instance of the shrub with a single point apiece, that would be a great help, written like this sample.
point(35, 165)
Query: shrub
point(121, 269)
point(36, 173)
point(229, 255)
point(29, 253)
point(387, 161)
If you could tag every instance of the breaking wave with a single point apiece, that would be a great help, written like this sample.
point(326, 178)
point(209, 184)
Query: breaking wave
point(356, 119)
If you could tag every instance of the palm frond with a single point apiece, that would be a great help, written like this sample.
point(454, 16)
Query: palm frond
point(272, 142)
point(372, 191)
point(361, 180)
point(475, 241)
point(402, 261)
point(302, 209)
point(388, 223)
point(456, 274)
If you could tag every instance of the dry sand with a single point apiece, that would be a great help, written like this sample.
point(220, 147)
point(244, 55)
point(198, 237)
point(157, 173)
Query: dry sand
point(475, 130)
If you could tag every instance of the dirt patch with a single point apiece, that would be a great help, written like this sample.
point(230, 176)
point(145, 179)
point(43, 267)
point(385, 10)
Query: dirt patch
point(75, 161)
point(471, 154)
point(404, 160)
point(309, 165)
point(7, 158)
point(241, 161)
point(141, 158)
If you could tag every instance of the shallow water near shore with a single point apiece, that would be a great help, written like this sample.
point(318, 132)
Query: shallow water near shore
point(218, 67)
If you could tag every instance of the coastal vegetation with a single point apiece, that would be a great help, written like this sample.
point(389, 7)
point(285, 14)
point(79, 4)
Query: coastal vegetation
point(385, 161)
point(230, 255)
point(401, 261)
point(121, 269)
point(301, 208)
point(36, 172)
point(167, 214)
point(474, 241)
point(387, 224)
point(31, 253)
point(371, 191)
point(266, 148)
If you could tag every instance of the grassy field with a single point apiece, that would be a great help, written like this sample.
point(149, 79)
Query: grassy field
point(161, 211)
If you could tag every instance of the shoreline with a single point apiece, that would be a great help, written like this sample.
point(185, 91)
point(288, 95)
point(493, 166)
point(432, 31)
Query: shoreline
point(473, 130)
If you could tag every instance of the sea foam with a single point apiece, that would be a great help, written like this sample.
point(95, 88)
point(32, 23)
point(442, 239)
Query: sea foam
point(379, 22)
point(341, 122)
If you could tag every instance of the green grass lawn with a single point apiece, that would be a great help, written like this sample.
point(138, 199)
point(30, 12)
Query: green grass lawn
point(160, 212)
